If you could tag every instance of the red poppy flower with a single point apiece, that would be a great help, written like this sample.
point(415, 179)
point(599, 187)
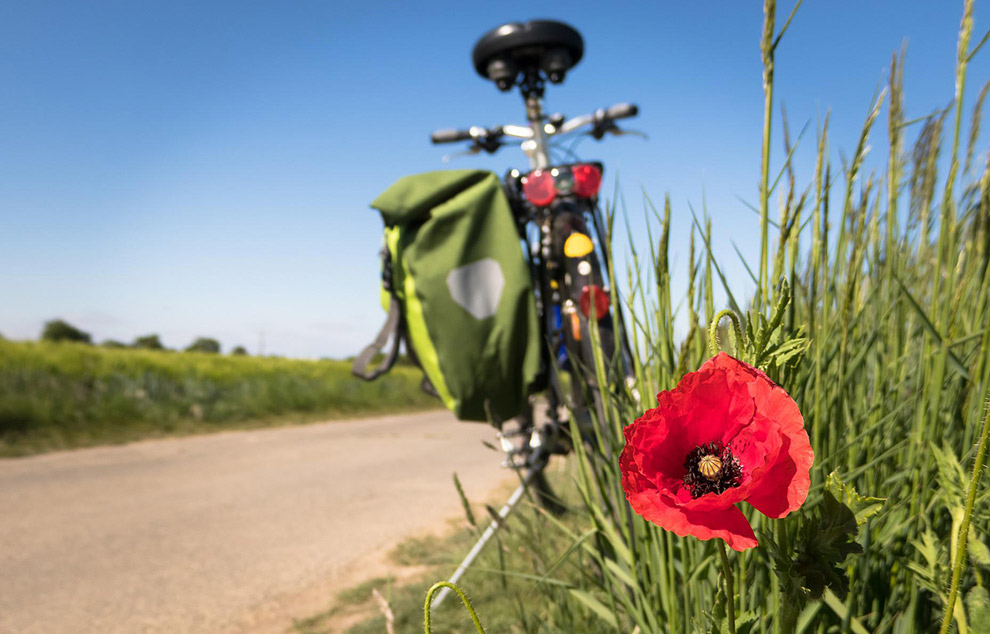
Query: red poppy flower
point(725, 434)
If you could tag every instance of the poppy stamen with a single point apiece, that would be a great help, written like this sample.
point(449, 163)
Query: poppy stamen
point(711, 468)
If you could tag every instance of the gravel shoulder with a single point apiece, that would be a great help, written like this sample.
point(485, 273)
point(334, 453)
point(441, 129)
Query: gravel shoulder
point(235, 532)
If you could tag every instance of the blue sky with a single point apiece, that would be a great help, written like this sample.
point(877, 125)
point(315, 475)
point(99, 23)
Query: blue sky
point(205, 168)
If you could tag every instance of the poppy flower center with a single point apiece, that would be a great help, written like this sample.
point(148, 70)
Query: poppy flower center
point(711, 468)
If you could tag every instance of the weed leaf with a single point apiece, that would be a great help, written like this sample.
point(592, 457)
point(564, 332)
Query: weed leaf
point(862, 507)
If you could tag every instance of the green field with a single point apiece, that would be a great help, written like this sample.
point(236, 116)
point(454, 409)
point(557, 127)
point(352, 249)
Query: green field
point(62, 395)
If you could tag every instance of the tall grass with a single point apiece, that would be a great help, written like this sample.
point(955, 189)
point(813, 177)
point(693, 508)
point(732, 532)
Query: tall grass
point(59, 395)
point(883, 341)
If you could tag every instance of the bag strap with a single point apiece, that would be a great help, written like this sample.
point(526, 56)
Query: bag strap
point(426, 385)
point(391, 330)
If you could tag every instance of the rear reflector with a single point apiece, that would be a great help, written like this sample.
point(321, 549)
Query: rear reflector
point(538, 188)
point(601, 300)
point(587, 180)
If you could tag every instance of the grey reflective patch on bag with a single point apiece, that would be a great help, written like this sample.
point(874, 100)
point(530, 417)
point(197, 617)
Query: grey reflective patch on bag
point(477, 287)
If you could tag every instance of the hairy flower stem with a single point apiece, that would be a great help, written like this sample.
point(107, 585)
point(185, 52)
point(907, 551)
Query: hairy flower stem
point(730, 593)
point(429, 599)
point(713, 346)
point(974, 486)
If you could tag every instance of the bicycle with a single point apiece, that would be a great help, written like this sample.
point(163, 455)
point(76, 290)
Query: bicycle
point(555, 205)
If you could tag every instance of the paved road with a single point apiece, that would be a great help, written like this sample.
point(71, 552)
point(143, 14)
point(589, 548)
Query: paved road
point(230, 532)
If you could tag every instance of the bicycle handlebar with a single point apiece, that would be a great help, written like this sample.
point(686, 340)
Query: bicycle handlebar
point(450, 136)
point(622, 111)
point(599, 118)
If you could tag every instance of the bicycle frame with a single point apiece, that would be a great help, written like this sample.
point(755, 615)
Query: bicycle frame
point(562, 279)
point(562, 284)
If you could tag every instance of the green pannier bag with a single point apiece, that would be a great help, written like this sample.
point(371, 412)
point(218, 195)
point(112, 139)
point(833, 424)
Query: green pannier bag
point(457, 289)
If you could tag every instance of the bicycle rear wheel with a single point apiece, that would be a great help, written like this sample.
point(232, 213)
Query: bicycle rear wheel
point(585, 304)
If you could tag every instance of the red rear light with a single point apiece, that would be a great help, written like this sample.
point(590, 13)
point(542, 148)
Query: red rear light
point(587, 180)
point(601, 298)
point(538, 188)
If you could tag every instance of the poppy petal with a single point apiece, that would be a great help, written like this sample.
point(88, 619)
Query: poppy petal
point(784, 487)
point(727, 523)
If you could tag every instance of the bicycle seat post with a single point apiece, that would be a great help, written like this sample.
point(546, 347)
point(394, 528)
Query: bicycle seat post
point(536, 148)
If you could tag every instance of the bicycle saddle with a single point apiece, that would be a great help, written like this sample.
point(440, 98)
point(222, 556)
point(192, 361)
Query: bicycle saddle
point(527, 47)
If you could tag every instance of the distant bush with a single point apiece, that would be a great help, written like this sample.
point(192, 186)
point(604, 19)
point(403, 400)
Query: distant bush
point(239, 351)
point(113, 343)
point(148, 342)
point(204, 344)
point(59, 330)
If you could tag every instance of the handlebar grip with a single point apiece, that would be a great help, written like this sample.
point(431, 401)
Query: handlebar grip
point(622, 110)
point(450, 136)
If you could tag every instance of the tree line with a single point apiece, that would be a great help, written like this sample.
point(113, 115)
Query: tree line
point(61, 330)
